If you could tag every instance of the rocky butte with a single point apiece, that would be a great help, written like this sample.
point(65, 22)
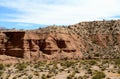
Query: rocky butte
point(85, 40)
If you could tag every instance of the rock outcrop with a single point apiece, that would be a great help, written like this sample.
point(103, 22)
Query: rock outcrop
point(32, 46)
point(97, 39)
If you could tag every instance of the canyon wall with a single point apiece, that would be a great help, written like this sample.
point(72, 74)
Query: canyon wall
point(85, 40)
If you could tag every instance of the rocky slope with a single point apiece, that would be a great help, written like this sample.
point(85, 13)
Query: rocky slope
point(85, 40)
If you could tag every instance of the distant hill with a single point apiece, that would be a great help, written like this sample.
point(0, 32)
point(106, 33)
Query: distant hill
point(3, 28)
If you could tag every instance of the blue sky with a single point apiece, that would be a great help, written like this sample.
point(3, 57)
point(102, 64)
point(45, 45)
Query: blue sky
point(31, 14)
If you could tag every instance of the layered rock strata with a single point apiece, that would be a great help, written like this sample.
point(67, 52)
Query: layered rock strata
point(85, 40)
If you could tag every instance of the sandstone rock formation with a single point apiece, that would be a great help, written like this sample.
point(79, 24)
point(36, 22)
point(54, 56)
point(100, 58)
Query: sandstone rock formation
point(97, 39)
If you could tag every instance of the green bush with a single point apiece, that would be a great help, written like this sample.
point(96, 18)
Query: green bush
point(36, 66)
point(99, 75)
point(1, 66)
point(68, 63)
point(43, 76)
point(1, 72)
point(117, 61)
point(69, 77)
point(21, 66)
point(30, 77)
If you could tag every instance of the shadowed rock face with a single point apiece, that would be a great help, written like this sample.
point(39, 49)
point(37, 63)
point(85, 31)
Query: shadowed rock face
point(55, 46)
point(14, 44)
point(97, 39)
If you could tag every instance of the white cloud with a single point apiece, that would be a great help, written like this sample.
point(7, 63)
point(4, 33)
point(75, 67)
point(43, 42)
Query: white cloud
point(61, 11)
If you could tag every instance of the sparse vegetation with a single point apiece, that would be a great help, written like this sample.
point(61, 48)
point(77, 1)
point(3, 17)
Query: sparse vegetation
point(82, 69)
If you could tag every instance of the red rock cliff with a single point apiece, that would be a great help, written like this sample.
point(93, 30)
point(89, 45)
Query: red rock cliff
point(97, 39)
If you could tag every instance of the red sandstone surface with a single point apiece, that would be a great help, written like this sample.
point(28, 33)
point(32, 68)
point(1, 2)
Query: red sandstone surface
point(97, 39)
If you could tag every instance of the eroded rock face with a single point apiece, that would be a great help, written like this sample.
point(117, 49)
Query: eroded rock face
point(59, 46)
point(97, 39)
point(34, 46)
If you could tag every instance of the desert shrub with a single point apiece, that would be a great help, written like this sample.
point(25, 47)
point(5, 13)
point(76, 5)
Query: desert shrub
point(80, 77)
point(103, 68)
point(21, 66)
point(75, 78)
point(43, 76)
point(68, 71)
point(77, 71)
point(85, 77)
point(42, 63)
point(14, 77)
point(8, 65)
point(117, 61)
point(99, 75)
point(92, 62)
point(30, 77)
point(104, 61)
point(52, 70)
point(90, 71)
point(1, 67)
point(70, 76)
point(97, 55)
point(108, 78)
point(1, 72)
point(36, 73)
point(118, 71)
point(36, 66)
point(49, 75)
point(68, 63)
